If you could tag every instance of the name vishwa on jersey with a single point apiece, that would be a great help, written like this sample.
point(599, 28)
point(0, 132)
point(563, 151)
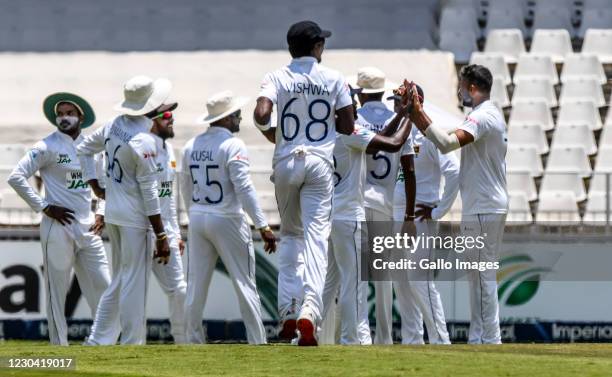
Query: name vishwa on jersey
point(203, 155)
point(121, 134)
point(306, 88)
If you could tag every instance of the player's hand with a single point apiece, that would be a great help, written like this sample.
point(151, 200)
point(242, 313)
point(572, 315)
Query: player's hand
point(162, 251)
point(61, 214)
point(409, 228)
point(269, 239)
point(423, 212)
point(417, 105)
point(97, 190)
point(97, 226)
point(181, 246)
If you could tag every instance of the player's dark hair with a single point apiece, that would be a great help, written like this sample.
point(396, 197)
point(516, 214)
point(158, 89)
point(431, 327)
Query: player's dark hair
point(69, 103)
point(374, 96)
point(304, 48)
point(478, 76)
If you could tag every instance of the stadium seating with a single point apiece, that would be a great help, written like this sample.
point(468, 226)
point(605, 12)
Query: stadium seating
point(15, 211)
point(535, 89)
point(579, 113)
point(599, 42)
point(519, 211)
point(508, 42)
point(555, 181)
point(582, 89)
point(575, 135)
point(528, 134)
point(553, 17)
point(499, 93)
point(495, 63)
point(596, 210)
point(531, 112)
point(11, 154)
point(461, 43)
point(569, 159)
point(558, 207)
point(524, 159)
point(536, 66)
point(595, 19)
point(522, 183)
point(505, 18)
point(583, 66)
point(455, 19)
point(556, 44)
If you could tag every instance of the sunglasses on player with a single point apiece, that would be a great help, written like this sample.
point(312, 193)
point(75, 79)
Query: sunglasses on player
point(165, 115)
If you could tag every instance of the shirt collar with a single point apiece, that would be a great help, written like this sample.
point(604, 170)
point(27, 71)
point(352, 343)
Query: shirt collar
point(219, 129)
point(68, 138)
point(304, 59)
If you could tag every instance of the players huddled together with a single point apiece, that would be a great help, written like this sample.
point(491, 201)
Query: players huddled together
point(341, 173)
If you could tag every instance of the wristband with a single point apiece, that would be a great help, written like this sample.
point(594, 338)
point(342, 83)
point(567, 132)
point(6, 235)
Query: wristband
point(161, 236)
point(409, 217)
point(265, 228)
point(263, 127)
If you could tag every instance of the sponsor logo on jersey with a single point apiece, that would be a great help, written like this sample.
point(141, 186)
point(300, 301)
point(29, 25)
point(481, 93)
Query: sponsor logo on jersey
point(165, 190)
point(63, 159)
point(160, 167)
point(173, 164)
point(74, 180)
point(149, 154)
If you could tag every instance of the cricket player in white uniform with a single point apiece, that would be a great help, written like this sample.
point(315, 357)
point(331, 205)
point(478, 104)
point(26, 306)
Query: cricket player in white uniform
point(313, 102)
point(382, 168)
point(170, 276)
point(420, 299)
point(68, 235)
point(132, 208)
point(344, 261)
point(482, 182)
point(217, 190)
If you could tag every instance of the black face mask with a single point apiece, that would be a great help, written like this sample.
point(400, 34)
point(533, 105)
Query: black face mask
point(468, 102)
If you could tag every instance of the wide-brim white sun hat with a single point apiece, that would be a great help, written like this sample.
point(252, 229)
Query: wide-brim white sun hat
point(142, 95)
point(221, 105)
point(371, 80)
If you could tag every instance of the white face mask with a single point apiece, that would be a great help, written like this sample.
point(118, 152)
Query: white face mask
point(66, 122)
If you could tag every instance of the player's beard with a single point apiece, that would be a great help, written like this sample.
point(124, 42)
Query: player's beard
point(67, 123)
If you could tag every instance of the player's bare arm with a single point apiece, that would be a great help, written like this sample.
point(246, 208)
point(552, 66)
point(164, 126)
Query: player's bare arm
point(345, 120)
point(262, 116)
point(391, 143)
point(162, 247)
point(99, 191)
point(98, 225)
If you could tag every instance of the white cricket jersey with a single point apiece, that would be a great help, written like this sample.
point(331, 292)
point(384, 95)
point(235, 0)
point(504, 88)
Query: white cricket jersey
point(349, 174)
point(166, 168)
point(307, 95)
point(215, 176)
point(56, 159)
point(429, 167)
point(382, 167)
point(131, 170)
point(482, 177)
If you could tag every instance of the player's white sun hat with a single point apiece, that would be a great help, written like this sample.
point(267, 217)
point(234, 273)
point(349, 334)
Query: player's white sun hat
point(221, 105)
point(142, 95)
point(371, 80)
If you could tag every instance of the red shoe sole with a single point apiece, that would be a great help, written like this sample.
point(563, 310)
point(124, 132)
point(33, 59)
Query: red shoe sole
point(307, 333)
point(288, 330)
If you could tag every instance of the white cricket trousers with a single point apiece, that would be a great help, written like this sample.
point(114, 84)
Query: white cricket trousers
point(123, 305)
point(65, 248)
point(484, 303)
point(214, 236)
point(171, 279)
point(380, 223)
point(344, 272)
point(303, 184)
point(418, 298)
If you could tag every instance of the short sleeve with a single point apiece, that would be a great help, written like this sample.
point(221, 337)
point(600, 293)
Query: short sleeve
point(408, 148)
point(268, 88)
point(237, 152)
point(474, 125)
point(359, 139)
point(343, 96)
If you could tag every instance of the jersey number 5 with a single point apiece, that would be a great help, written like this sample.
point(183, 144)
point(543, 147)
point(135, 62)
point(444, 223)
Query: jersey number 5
point(379, 156)
point(286, 115)
point(209, 182)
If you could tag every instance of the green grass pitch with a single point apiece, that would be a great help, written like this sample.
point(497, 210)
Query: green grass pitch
point(532, 360)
